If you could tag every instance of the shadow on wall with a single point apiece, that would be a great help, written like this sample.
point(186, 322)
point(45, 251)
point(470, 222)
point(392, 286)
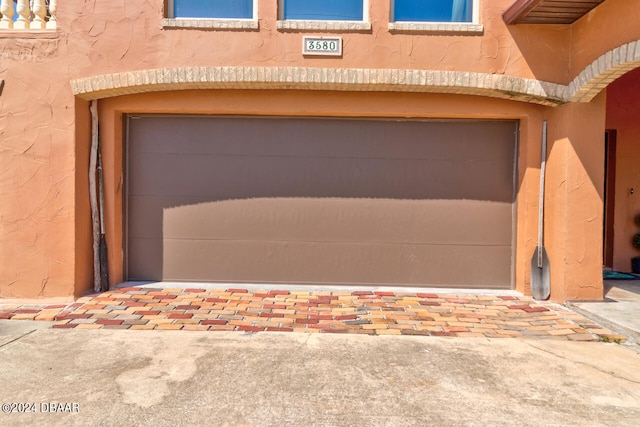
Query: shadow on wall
point(545, 50)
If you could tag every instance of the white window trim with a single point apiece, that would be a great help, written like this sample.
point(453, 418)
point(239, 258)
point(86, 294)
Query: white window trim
point(321, 24)
point(473, 27)
point(211, 23)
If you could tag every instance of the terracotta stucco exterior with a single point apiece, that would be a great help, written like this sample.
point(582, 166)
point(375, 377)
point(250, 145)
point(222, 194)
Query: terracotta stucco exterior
point(45, 132)
point(573, 199)
point(612, 24)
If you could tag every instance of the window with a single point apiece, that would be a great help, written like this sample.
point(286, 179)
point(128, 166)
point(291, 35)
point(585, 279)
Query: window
point(220, 9)
point(433, 11)
point(436, 16)
point(323, 15)
point(332, 10)
point(212, 14)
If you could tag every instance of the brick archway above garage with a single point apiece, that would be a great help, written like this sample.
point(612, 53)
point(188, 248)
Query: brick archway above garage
point(604, 70)
point(342, 79)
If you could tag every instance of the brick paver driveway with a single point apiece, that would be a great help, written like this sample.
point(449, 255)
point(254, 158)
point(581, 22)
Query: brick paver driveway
point(359, 312)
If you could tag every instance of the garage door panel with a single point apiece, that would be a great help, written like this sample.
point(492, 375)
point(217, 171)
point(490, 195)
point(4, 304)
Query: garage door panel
point(366, 138)
point(321, 201)
point(270, 176)
point(145, 259)
point(348, 264)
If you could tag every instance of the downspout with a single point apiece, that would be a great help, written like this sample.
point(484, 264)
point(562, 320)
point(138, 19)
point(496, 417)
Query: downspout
point(93, 196)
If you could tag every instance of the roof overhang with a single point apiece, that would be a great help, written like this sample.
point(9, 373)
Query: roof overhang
point(548, 11)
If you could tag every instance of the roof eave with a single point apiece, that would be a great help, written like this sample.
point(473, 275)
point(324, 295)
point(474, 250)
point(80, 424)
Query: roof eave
point(519, 10)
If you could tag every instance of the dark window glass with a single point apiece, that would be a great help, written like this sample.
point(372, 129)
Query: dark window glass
point(238, 9)
point(433, 10)
point(337, 10)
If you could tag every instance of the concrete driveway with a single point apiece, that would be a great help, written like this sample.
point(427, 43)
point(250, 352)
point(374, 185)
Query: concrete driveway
point(157, 378)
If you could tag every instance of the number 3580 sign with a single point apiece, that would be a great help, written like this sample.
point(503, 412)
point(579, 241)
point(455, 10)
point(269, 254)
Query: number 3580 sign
point(322, 46)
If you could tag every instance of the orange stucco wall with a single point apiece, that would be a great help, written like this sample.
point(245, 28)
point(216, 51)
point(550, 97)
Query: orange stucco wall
point(83, 226)
point(99, 29)
point(612, 24)
point(574, 199)
point(37, 170)
point(623, 105)
point(45, 238)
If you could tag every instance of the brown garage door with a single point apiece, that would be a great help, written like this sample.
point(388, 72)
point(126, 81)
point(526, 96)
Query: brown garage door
point(320, 201)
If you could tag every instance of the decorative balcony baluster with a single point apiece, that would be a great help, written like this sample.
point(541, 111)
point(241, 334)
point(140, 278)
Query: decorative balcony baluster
point(39, 14)
point(53, 9)
point(28, 14)
point(24, 15)
point(6, 9)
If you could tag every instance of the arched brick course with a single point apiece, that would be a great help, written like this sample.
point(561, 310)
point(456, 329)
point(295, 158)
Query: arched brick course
point(349, 79)
point(603, 71)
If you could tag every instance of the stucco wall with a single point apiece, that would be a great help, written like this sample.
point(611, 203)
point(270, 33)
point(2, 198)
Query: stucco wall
point(83, 227)
point(44, 227)
point(44, 131)
point(611, 24)
point(574, 199)
point(623, 105)
point(37, 157)
point(115, 36)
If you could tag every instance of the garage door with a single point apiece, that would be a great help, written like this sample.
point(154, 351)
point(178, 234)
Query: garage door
point(320, 201)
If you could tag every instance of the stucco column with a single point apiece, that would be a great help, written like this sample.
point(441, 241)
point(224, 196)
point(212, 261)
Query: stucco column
point(83, 244)
point(574, 200)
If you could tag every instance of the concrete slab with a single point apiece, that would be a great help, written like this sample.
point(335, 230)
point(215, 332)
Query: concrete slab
point(120, 377)
point(620, 311)
point(15, 329)
point(316, 288)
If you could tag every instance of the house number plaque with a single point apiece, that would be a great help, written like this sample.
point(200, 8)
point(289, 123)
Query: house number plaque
point(327, 46)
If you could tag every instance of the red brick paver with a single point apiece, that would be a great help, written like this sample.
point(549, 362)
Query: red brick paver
point(359, 312)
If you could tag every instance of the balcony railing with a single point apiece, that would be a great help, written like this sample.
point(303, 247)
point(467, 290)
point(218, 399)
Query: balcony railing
point(28, 14)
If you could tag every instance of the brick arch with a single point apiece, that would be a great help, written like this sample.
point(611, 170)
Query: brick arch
point(604, 70)
point(343, 79)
